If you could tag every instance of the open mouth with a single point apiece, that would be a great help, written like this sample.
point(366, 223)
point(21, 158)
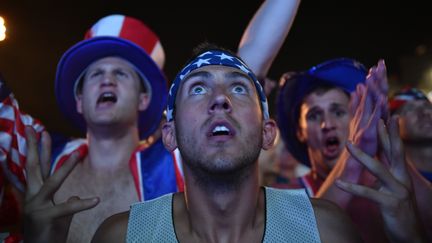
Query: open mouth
point(332, 146)
point(107, 97)
point(220, 129)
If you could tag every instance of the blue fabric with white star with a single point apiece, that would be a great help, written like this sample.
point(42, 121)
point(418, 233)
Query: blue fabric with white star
point(214, 57)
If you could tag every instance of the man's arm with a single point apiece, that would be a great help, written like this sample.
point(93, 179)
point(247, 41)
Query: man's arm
point(265, 34)
point(113, 229)
point(334, 225)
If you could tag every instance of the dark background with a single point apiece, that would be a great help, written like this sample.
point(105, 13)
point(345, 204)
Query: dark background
point(38, 33)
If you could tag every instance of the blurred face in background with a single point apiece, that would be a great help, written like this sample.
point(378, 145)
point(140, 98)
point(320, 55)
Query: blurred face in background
point(323, 126)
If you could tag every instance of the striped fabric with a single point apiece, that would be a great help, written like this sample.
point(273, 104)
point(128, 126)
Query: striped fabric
point(155, 170)
point(12, 140)
point(131, 29)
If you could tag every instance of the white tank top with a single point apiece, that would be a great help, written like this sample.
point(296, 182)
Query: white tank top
point(289, 218)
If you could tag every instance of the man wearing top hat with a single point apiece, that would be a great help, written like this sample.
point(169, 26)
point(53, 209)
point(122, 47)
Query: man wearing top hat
point(111, 87)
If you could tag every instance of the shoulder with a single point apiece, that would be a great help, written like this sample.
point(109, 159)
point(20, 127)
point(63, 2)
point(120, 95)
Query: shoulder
point(112, 229)
point(333, 223)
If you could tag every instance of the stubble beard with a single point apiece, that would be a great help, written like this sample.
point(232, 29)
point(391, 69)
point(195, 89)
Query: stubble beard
point(219, 173)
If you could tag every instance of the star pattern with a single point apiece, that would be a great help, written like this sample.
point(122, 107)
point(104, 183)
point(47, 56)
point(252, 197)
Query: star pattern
point(214, 57)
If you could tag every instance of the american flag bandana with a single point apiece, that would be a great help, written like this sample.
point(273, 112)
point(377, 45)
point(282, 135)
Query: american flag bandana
point(404, 95)
point(214, 57)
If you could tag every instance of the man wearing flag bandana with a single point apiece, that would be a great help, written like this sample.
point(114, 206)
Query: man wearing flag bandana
point(217, 117)
point(415, 112)
point(109, 86)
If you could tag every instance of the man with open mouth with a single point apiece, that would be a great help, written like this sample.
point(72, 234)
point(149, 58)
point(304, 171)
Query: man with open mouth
point(217, 116)
point(313, 117)
point(111, 86)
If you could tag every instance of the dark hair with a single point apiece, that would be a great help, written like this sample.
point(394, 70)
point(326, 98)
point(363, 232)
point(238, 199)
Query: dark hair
point(208, 46)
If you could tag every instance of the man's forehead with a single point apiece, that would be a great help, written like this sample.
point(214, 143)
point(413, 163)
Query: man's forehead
point(409, 105)
point(212, 70)
point(214, 58)
point(110, 60)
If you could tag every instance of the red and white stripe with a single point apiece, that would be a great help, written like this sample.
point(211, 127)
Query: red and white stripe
point(131, 29)
point(13, 144)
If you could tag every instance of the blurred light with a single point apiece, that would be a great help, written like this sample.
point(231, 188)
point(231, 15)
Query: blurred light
point(429, 95)
point(420, 50)
point(428, 75)
point(2, 29)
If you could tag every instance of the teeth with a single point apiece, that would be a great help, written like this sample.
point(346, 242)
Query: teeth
point(107, 95)
point(220, 129)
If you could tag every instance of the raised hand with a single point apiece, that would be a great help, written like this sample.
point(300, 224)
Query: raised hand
point(395, 194)
point(368, 104)
point(45, 221)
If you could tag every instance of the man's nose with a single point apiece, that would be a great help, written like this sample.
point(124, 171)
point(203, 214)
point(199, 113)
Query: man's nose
point(220, 103)
point(108, 79)
point(328, 122)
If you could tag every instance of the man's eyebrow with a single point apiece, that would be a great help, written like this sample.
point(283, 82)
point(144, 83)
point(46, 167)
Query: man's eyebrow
point(204, 74)
point(236, 74)
point(336, 105)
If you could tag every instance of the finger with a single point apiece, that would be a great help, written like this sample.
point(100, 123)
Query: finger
point(367, 105)
point(354, 101)
point(363, 107)
point(371, 82)
point(381, 74)
point(363, 191)
point(375, 167)
point(71, 206)
point(384, 140)
point(398, 165)
point(33, 172)
point(376, 114)
point(53, 182)
point(45, 158)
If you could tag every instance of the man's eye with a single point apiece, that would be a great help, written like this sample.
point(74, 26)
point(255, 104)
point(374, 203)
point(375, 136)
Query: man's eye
point(239, 89)
point(313, 117)
point(120, 73)
point(340, 113)
point(198, 89)
point(95, 74)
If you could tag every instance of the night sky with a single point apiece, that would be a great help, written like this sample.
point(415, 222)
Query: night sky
point(39, 33)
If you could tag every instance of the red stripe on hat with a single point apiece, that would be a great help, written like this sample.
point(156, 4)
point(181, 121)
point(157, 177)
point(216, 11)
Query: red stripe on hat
point(138, 33)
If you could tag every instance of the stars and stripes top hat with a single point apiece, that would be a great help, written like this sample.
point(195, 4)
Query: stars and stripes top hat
point(119, 36)
point(400, 97)
point(214, 57)
point(344, 73)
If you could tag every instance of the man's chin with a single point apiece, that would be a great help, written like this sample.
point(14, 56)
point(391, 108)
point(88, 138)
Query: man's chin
point(331, 158)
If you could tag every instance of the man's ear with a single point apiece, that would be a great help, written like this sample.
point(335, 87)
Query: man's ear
point(78, 102)
point(168, 136)
point(300, 135)
point(269, 133)
point(144, 101)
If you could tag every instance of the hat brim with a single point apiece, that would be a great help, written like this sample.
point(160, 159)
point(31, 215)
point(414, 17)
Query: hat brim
point(80, 56)
point(343, 73)
point(337, 71)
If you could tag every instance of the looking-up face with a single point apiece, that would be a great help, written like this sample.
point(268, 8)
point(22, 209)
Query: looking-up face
point(415, 123)
point(218, 124)
point(111, 93)
point(323, 126)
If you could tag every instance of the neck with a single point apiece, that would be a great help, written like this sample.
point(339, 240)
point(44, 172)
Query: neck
point(420, 154)
point(224, 215)
point(110, 150)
